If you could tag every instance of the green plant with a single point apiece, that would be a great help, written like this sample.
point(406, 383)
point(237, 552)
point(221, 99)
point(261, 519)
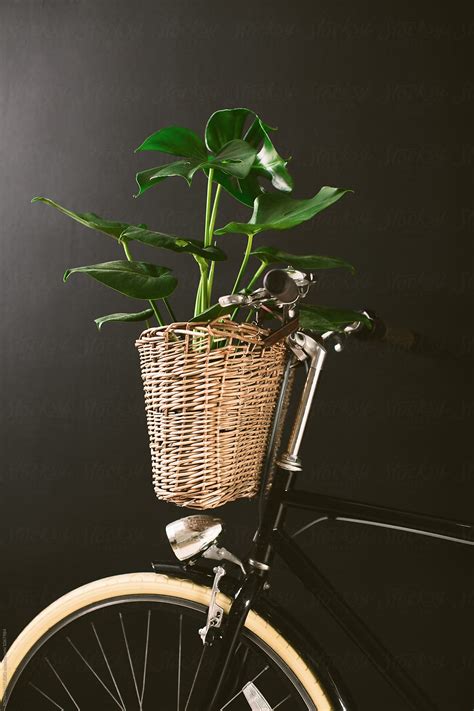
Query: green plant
point(237, 155)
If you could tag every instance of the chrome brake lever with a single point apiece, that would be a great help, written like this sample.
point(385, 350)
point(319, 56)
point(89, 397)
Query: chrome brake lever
point(232, 300)
point(215, 612)
point(255, 299)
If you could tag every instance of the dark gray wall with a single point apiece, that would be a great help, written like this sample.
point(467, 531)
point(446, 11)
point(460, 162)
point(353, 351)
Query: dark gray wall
point(374, 96)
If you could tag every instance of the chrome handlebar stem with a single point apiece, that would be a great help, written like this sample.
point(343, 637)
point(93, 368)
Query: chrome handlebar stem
point(316, 353)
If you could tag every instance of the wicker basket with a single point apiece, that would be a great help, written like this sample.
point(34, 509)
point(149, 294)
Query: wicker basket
point(210, 395)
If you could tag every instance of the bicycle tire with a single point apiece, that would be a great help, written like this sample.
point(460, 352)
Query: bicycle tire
point(159, 585)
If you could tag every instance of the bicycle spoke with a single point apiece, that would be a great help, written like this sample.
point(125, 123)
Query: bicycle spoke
point(145, 662)
point(178, 698)
point(108, 665)
point(62, 683)
point(280, 703)
point(46, 696)
point(94, 672)
point(240, 691)
point(242, 664)
point(195, 677)
point(130, 659)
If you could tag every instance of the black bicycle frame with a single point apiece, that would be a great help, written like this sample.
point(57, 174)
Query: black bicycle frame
point(214, 679)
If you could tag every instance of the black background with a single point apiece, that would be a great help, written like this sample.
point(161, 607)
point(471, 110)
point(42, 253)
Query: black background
point(375, 96)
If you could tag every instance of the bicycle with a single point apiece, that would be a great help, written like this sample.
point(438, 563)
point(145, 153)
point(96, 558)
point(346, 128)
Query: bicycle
point(223, 643)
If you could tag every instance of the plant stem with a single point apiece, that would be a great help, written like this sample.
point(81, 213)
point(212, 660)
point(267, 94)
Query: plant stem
point(248, 288)
point(158, 316)
point(197, 303)
point(203, 286)
point(210, 279)
point(169, 309)
point(256, 276)
point(202, 295)
point(126, 249)
point(208, 207)
point(243, 266)
point(214, 210)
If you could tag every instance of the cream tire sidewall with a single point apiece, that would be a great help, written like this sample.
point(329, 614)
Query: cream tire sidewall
point(153, 584)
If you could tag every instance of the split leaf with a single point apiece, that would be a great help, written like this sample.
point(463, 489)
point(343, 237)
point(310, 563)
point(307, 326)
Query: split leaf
point(274, 211)
point(228, 124)
point(177, 141)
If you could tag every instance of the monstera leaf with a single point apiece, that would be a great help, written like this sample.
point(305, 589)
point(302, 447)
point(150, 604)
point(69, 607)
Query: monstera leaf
point(235, 159)
point(308, 262)
point(240, 155)
point(273, 211)
point(228, 124)
point(176, 244)
point(177, 141)
point(268, 162)
point(325, 318)
point(138, 280)
point(124, 317)
point(225, 125)
point(89, 219)
point(245, 191)
point(152, 176)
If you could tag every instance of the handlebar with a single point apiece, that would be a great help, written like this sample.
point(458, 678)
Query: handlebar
point(287, 286)
point(405, 339)
point(400, 337)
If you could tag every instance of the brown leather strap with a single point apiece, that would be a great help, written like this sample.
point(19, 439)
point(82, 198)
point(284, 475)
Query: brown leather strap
point(281, 332)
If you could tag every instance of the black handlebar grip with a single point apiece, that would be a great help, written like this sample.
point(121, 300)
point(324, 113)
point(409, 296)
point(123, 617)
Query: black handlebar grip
point(407, 340)
point(281, 286)
point(400, 337)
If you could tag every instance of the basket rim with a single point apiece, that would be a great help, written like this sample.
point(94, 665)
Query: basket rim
point(246, 332)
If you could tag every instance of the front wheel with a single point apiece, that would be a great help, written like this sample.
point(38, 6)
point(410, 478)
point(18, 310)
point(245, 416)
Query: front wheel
point(130, 642)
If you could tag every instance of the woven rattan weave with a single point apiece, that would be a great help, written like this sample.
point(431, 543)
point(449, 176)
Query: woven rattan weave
point(210, 395)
